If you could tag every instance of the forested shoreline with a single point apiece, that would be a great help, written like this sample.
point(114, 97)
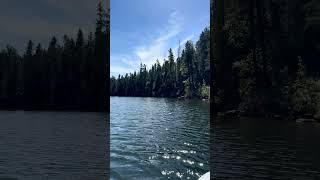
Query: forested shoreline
point(187, 76)
point(67, 76)
point(266, 58)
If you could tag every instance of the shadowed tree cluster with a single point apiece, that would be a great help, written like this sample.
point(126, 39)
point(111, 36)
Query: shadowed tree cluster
point(188, 75)
point(67, 75)
point(266, 56)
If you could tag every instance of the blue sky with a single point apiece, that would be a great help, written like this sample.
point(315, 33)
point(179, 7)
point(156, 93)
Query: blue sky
point(144, 30)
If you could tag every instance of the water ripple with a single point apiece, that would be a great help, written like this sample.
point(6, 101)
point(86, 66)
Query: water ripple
point(52, 145)
point(265, 149)
point(158, 138)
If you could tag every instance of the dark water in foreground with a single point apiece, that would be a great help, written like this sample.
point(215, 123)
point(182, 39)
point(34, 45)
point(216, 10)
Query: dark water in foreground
point(266, 149)
point(158, 138)
point(52, 145)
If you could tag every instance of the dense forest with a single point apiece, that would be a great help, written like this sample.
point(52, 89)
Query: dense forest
point(265, 57)
point(71, 75)
point(187, 76)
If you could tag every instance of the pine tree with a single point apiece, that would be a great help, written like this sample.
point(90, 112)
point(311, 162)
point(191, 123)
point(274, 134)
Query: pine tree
point(180, 77)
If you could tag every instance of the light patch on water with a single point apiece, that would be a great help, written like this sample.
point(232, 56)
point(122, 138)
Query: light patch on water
point(166, 172)
point(186, 151)
point(188, 161)
point(183, 151)
point(190, 172)
point(188, 144)
point(152, 157)
point(180, 175)
point(166, 156)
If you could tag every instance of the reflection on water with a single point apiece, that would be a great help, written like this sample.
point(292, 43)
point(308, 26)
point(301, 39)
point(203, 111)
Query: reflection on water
point(158, 138)
point(52, 145)
point(266, 149)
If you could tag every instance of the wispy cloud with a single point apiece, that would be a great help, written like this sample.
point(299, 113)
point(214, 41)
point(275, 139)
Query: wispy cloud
point(116, 70)
point(174, 27)
point(126, 66)
point(155, 48)
point(143, 33)
point(131, 63)
point(159, 46)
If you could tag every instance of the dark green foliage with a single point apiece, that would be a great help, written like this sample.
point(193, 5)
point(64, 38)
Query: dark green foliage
point(265, 56)
point(203, 55)
point(187, 75)
point(67, 75)
point(304, 92)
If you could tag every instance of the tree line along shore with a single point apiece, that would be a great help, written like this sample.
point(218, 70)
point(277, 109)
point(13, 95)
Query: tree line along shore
point(184, 76)
point(66, 76)
point(266, 58)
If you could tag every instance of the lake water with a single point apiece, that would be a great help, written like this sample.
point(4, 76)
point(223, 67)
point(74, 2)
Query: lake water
point(52, 145)
point(159, 138)
point(266, 149)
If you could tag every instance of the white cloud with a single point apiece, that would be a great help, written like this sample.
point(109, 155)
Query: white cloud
point(116, 70)
point(131, 63)
point(155, 48)
point(122, 59)
point(174, 27)
point(158, 47)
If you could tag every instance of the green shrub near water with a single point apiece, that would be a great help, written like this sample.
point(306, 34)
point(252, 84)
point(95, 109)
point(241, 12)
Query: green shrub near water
point(252, 99)
point(205, 92)
point(305, 93)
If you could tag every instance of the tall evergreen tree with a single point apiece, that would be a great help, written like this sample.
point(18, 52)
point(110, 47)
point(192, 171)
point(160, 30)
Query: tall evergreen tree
point(175, 77)
point(70, 75)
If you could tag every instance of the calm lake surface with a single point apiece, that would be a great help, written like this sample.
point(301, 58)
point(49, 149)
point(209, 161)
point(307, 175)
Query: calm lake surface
point(52, 145)
point(159, 138)
point(266, 149)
